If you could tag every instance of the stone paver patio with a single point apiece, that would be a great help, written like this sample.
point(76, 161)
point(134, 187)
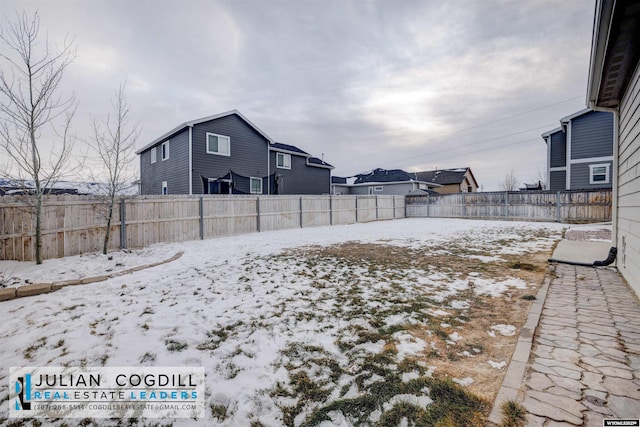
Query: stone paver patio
point(584, 364)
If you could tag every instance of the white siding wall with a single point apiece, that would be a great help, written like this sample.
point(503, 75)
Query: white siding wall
point(628, 240)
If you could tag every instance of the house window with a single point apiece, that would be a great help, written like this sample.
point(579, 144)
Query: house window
point(377, 188)
point(218, 144)
point(165, 189)
point(599, 174)
point(164, 148)
point(154, 155)
point(256, 185)
point(283, 161)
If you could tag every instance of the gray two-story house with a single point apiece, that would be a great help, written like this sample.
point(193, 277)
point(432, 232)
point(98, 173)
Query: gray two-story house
point(580, 152)
point(380, 182)
point(227, 154)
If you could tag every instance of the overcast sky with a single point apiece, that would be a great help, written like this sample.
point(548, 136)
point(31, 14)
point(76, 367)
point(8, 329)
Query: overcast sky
point(416, 85)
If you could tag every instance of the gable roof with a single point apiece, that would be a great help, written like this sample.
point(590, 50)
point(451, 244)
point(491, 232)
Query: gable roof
point(314, 161)
point(274, 146)
point(575, 115)
point(191, 123)
point(446, 176)
point(551, 132)
point(380, 176)
point(384, 175)
point(277, 146)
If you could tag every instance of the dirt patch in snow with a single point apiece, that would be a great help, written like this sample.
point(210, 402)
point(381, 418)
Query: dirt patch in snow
point(460, 343)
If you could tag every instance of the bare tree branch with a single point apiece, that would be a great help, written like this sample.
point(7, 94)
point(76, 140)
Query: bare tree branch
point(30, 103)
point(510, 182)
point(114, 143)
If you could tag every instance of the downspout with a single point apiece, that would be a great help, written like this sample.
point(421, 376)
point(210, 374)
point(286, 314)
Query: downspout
point(609, 260)
point(268, 168)
point(190, 160)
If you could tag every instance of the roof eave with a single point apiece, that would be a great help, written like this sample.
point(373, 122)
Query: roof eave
point(191, 123)
point(295, 153)
point(551, 132)
point(164, 136)
point(599, 41)
point(575, 115)
point(318, 165)
point(473, 177)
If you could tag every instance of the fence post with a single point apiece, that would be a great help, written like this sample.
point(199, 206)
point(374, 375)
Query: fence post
point(428, 204)
point(201, 208)
point(300, 211)
point(506, 205)
point(258, 213)
point(558, 206)
point(357, 209)
point(123, 225)
point(394, 206)
point(330, 210)
point(464, 205)
point(377, 216)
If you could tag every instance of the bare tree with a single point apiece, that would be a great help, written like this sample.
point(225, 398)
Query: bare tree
point(510, 182)
point(30, 105)
point(115, 147)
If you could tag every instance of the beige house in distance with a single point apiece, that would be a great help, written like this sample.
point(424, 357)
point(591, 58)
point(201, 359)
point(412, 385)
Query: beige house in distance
point(460, 180)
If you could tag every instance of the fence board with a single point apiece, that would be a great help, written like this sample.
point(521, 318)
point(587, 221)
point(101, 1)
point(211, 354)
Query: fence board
point(366, 210)
point(385, 206)
point(279, 213)
point(344, 210)
point(563, 206)
point(316, 211)
point(74, 225)
point(226, 215)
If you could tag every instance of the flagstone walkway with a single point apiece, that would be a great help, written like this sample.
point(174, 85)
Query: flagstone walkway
point(584, 364)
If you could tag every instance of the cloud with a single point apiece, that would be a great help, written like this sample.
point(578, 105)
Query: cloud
point(367, 83)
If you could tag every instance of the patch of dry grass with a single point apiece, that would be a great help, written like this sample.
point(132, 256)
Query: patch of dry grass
point(360, 276)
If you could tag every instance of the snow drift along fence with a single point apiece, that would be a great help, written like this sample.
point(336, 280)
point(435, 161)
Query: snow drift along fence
point(561, 206)
point(74, 225)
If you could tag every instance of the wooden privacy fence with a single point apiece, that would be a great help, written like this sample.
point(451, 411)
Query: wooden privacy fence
point(74, 225)
point(561, 206)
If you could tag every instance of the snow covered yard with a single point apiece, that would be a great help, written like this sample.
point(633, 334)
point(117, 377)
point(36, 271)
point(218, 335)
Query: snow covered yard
point(365, 324)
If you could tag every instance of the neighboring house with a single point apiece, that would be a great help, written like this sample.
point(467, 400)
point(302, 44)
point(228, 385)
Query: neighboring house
point(459, 180)
point(227, 154)
point(614, 85)
point(24, 187)
point(580, 152)
point(532, 187)
point(379, 182)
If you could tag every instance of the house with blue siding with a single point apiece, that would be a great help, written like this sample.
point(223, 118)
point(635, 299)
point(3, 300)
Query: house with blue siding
point(227, 154)
point(380, 182)
point(580, 152)
point(399, 182)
